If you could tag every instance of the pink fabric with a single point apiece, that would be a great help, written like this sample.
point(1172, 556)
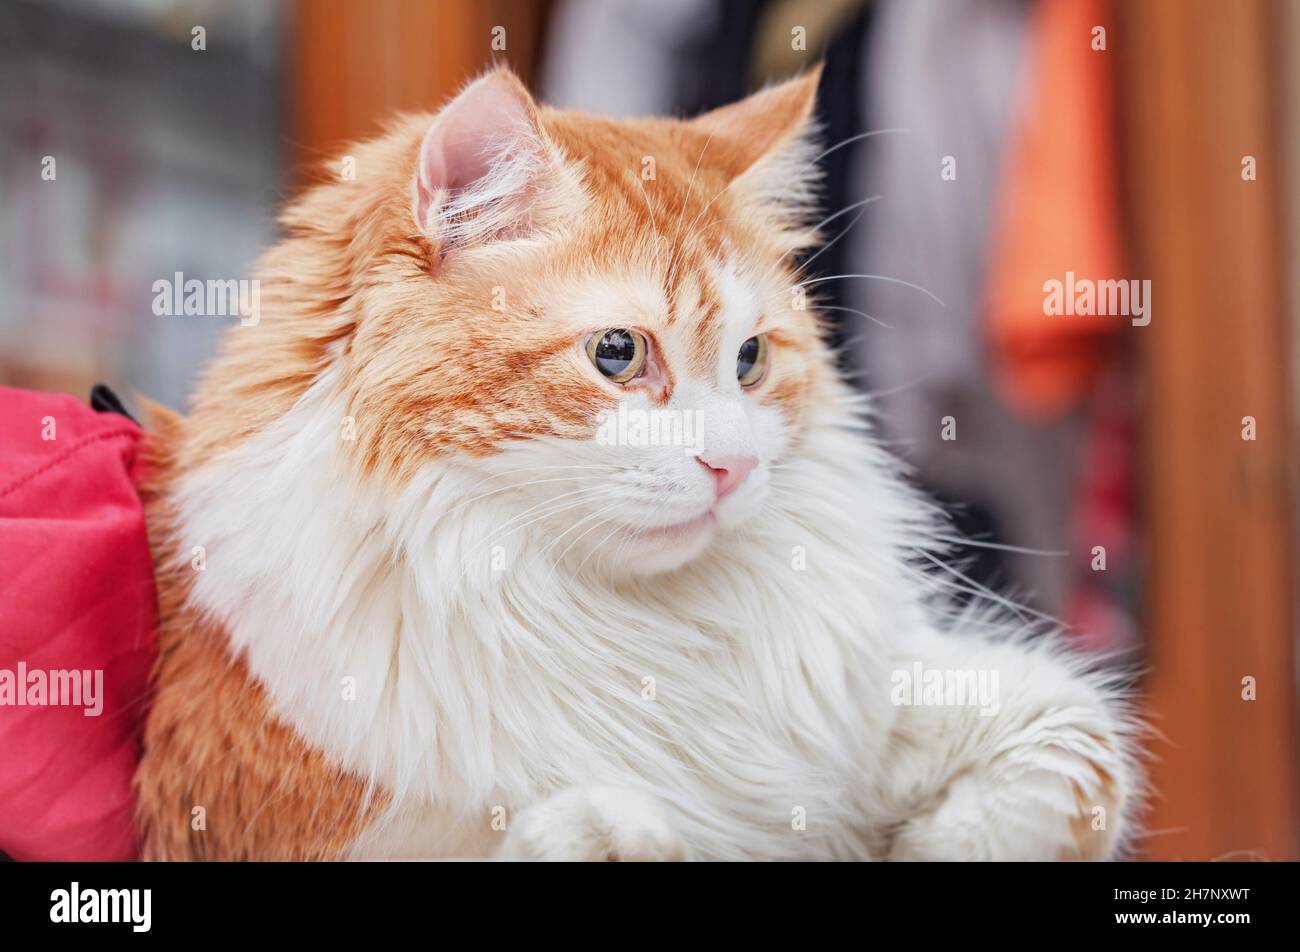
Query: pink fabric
point(76, 593)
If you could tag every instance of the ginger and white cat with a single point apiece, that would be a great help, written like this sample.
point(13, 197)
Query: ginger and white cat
point(416, 603)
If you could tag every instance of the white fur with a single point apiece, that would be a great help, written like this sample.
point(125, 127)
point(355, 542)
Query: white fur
point(594, 823)
point(502, 674)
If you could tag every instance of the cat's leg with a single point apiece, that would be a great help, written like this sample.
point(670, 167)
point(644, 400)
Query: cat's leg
point(1040, 767)
point(593, 824)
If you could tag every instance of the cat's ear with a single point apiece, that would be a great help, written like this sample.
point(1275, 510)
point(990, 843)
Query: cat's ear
point(485, 169)
point(755, 127)
point(767, 143)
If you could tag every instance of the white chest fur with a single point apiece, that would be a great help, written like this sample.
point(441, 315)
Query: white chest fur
point(750, 690)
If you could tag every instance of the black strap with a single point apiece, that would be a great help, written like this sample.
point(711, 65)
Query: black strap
point(104, 400)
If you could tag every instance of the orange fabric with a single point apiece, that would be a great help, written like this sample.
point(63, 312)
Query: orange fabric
point(1057, 213)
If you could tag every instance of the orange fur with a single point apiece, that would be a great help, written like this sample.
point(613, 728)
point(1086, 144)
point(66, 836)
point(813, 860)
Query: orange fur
point(212, 741)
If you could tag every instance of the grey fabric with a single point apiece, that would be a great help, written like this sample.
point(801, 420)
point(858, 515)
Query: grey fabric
point(949, 72)
point(618, 57)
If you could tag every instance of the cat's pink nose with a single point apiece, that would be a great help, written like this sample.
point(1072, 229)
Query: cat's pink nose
point(728, 471)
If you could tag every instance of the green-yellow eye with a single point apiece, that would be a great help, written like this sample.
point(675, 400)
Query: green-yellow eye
point(617, 353)
point(751, 362)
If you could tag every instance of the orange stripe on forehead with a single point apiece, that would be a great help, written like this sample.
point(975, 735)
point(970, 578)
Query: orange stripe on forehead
point(673, 280)
point(685, 281)
point(707, 331)
point(660, 208)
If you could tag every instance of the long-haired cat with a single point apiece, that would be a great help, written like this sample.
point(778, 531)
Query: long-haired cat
point(432, 586)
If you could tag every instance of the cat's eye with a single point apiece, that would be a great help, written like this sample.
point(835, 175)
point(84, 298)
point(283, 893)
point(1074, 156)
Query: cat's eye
point(618, 353)
point(751, 362)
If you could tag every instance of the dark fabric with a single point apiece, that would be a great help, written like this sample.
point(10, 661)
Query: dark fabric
point(104, 400)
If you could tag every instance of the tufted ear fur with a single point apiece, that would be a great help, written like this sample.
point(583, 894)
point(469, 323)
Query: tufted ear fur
point(486, 170)
point(767, 143)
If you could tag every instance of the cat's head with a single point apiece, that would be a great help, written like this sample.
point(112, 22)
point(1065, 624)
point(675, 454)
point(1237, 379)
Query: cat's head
point(600, 317)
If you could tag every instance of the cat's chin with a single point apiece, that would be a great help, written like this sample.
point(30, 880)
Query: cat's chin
point(660, 550)
point(656, 559)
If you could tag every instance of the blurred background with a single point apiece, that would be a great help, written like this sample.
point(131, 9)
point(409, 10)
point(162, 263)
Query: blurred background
point(1134, 475)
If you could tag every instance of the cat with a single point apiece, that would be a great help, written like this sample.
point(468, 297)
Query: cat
point(412, 606)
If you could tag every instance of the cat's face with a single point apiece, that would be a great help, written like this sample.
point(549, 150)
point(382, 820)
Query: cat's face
point(600, 319)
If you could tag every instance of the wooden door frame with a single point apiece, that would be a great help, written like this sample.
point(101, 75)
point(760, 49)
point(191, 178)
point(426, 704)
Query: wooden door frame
point(1199, 90)
point(352, 64)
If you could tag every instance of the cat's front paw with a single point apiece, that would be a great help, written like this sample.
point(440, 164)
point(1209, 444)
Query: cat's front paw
point(594, 824)
point(1063, 799)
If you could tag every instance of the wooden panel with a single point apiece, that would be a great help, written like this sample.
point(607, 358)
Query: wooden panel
point(1199, 85)
point(351, 64)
